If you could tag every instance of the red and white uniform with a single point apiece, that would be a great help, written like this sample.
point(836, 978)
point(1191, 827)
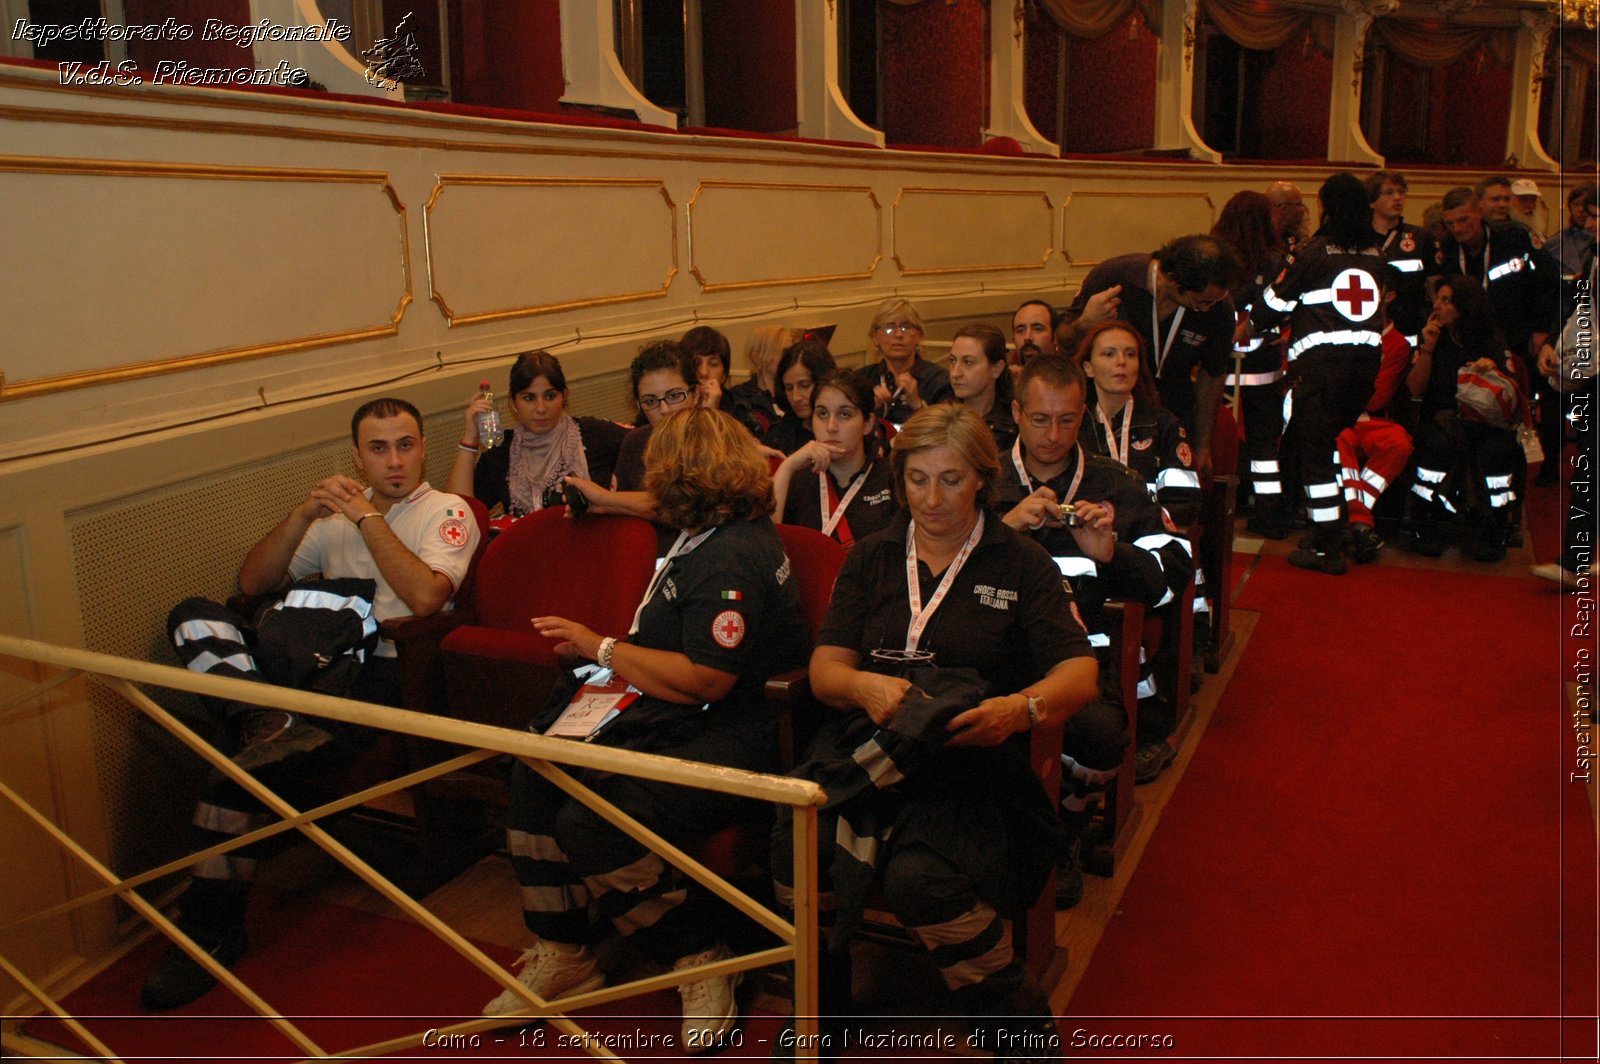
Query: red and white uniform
point(1374, 450)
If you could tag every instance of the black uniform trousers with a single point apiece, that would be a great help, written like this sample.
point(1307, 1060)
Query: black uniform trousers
point(1262, 417)
point(1465, 466)
point(1333, 387)
point(211, 638)
point(582, 878)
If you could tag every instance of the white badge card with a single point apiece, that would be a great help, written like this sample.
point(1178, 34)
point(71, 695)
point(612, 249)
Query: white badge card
point(592, 708)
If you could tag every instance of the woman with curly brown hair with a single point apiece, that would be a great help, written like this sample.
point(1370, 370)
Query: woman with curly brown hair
point(719, 617)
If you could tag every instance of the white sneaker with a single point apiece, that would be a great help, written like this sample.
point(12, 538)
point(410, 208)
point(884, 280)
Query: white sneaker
point(550, 972)
point(1557, 572)
point(709, 1009)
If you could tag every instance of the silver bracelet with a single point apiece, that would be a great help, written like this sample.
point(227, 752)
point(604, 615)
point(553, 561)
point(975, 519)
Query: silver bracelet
point(363, 517)
point(608, 646)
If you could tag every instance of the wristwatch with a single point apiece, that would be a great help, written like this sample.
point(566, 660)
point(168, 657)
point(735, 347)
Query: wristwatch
point(1035, 710)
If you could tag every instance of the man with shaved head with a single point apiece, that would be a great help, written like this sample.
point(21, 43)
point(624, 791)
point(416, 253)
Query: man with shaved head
point(1289, 213)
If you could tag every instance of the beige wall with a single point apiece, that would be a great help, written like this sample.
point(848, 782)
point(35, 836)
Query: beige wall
point(200, 285)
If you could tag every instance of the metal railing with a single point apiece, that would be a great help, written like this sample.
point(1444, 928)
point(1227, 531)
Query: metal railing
point(798, 936)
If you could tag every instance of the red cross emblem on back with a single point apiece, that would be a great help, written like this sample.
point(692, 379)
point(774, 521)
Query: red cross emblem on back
point(1355, 295)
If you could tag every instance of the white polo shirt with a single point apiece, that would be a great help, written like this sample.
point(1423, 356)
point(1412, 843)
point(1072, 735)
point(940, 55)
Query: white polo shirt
point(434, 525)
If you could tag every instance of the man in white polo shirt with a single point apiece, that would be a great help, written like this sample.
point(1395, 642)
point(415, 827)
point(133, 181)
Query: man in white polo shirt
point(393, 549)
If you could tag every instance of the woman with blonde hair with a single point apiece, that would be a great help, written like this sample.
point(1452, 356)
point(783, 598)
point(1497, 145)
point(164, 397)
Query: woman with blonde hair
point(718, 618)
point(755, 400)
point(903, 381)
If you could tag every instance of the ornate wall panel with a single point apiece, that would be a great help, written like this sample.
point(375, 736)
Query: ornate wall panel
point(505, 246)
point(956, 230)
point(26, 767)
point(157, 267)
point(750, 234)
point(1101, 225)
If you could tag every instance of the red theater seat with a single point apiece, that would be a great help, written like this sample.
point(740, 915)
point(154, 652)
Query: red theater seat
point(593, 570)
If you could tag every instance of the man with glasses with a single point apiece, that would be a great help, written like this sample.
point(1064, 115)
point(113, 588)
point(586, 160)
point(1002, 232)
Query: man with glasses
point(1177, 298)
point(1120, 545)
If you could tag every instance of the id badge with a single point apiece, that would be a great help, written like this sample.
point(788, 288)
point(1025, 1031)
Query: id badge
point(593, 707)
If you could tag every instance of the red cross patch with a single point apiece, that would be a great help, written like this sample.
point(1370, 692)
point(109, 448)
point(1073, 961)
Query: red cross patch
point(728, 629)
point(1185, 455)
point(453, 531)
point(1355, 295)
point(1407, 243)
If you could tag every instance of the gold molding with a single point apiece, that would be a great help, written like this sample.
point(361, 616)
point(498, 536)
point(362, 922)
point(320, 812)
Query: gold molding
point(514, 181)
point(728, 286)
point(778, 152)
point(975, 268)
point(26, 164)
point(1199, 194)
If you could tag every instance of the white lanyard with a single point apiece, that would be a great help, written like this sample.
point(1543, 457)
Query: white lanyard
point(920, 615)
point(1027, 481)
point(831, 521)
point(1461, 253)
point(1111, 441)
point(682, 545)
point(1155, 322)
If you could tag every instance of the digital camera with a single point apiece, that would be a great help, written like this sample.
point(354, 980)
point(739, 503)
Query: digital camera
point(563, 493)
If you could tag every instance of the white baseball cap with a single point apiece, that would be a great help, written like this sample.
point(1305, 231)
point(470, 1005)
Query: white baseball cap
point(1524, 187)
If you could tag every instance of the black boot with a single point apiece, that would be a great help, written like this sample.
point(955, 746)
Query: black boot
point(211, 913)
point(1271, 519)
point(1492, 539)
point(1326, 553)
point(1011, 1016)
point(1427, 536)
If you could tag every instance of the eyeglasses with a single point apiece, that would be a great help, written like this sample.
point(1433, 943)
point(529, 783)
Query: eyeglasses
point(1044, 421)
point(672, 398)
point(1200, 305)
point(897, 327)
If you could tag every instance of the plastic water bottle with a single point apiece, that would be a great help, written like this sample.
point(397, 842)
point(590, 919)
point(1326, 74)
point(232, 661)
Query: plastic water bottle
point(488, 420)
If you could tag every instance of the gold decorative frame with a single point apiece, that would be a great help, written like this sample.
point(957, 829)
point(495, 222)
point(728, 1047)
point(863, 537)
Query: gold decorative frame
point(10, 389)
point(975, 267)
point(509, 180)
point(1194, 194)
point(707, 286)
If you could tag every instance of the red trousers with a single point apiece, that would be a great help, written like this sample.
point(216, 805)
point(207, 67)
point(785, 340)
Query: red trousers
point(1371, 454)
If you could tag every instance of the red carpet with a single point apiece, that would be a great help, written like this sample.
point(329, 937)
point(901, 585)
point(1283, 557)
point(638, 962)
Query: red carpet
point(361, 979)
point(1376, 850)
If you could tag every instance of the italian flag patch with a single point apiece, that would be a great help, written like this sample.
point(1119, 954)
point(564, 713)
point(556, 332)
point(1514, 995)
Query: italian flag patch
point(733, 596)
point(453, 511)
